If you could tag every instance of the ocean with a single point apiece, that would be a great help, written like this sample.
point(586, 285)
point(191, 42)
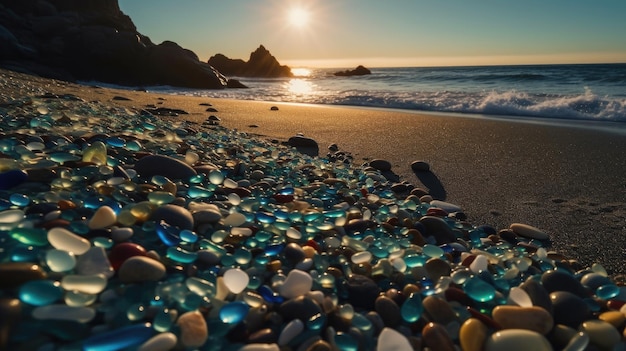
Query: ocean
point(566, 92)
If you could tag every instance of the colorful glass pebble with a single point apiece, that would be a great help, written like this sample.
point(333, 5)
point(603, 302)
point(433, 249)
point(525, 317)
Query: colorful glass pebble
point(40, 292)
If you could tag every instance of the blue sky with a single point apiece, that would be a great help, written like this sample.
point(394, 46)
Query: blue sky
point(375, 33)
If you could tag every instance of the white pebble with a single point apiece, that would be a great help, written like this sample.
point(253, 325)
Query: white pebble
point(63, 239)
point(297, 283)
point(291, 330)
point(389, 339)
point(193, 329)
point(236, 280)
point(160, 342)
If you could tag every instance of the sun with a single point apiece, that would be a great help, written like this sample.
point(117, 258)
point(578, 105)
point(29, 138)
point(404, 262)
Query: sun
point(298, 17)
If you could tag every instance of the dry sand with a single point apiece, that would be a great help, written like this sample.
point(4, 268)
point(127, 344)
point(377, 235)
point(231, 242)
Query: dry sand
point(568, 180)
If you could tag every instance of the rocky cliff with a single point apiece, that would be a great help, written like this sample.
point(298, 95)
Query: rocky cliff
point(261, 64)
point(93, 40)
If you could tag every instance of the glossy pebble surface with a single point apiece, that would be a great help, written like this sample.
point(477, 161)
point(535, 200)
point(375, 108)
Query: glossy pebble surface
point(124, 230)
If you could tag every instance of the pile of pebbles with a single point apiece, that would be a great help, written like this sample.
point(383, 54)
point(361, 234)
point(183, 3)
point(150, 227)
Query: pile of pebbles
point(123, 231)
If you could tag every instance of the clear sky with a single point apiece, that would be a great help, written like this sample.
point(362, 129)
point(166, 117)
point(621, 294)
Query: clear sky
point(376, 33)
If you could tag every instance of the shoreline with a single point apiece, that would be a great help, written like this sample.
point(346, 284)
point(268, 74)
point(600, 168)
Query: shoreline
point(564, 180)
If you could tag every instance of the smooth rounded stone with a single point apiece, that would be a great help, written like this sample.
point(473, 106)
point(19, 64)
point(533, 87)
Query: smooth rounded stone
point(10, 218)
point(302, 307)
point(139, 269)
point(206, 216)
point(601, 333)
point(301, 141)
point(104, 217)
point(260, 347)
point(473, 334)
point(63, 239)
point(173, 215)
point(438, 228)
point(515, 317)
point(87, 284)
point(388, 310)
point(528, 231)
point(160, 342)
point(122, 234)
point(63, 312)
point(420, 166)
point(390, 339)
point(14, 274)
point(438, 310)
point(208, 257)
point(437, 268)
point(381, 165)
point(265, 335)
point(362, 291)
point(294, 328)
point(293, 252)
point(96, 153)
point(594, 280)
point(537, 293)
point(436, 337)
point(517, 340)
point(446, 206)
point(120, 338)
point(162, 165)
point(236, 280)
point(235, 219)
point(569, 309)
point(557, 280)
point(478, 289)
point(193, 329)
point(297, 283)
point(10, 314)
point(234, 312)
point(615, 318)
point(518, 296)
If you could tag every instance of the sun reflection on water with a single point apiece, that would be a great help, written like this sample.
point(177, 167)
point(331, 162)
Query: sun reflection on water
point(301, 72)
point(299, 86)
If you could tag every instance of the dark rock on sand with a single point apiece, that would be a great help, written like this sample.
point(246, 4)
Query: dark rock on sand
point(261, 64)
point(358, 71)
point(166, 166)
point(93, 40)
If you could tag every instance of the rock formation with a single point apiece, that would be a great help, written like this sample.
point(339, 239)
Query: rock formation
point(93, 40)
point(358, 71)
point(261, 64)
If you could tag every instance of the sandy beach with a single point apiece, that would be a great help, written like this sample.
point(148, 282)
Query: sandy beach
point(567, 180)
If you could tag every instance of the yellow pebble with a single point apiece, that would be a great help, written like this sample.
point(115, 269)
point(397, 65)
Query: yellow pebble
point(472, 335)
point(616, 318)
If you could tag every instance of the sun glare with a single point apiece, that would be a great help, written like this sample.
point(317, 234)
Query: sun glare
point(301, 72)
point(298, 17)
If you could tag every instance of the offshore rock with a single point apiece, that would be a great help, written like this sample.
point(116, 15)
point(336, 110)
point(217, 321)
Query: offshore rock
point(358, 71)
point(261, 64)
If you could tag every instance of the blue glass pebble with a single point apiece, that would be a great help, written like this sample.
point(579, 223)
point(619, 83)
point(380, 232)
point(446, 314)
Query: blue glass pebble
point(115, 142)
point(607, 291)
point(168, 234)
point(188, 236)
point(269, 295)
point(119, 339)
point(19, 200)
point(12, 178)
point(234, 312)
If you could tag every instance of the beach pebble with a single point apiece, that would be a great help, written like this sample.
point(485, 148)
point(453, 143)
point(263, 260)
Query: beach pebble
point(601, 333)
point(94, 261)
point(537, 294)
point(297, 283)
point(388, 310)
point(420, 166)
point(104, 217)
point(301, 141)
point(473, 335)
point(290, 331)
point(166, 166)
point(390, 339)
point(446, 206)
point(439, 310)
point(12, 178)
point(381, 165)
point(517, 340)
point(160, 342)
point(14, 274)
point(516, 317)
point(65, 313)
point(137, 269)
point(260, 347)
point(569, 309)
point(528, 231)
point(558, 280)
point(438, 228)
point(193, 329)
point(173, 215)
point(436, 337)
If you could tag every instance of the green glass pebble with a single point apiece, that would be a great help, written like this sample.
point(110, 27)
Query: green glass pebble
point(40, 292)
point(30, 236)
point(160, 197)
point(479, 290)
point(433, 251)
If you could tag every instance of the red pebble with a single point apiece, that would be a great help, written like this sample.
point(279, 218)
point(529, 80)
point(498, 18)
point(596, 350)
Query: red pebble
point(363, 192)
point(312, 243)
point(123, 251)
point(615, 305)
point(436, 211)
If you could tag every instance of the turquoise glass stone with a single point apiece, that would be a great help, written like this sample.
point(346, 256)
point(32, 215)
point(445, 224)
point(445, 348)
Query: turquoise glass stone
point(607, 291)
point(412, 308)
point(195, 192)
point(19, 200)
point(116, 142)
point(61, 157)
point(24, 254)
point(432, 251)
point(234, 312)
point(134, 145)
point(40, 292)
point(189, 236)
point(415, 260)
point(479, 290)
point(362, 323)
point(316, 322)
point(346, 342)
point(265, 218)
point(180, 255)
point(162, 322)
point(120, 338)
